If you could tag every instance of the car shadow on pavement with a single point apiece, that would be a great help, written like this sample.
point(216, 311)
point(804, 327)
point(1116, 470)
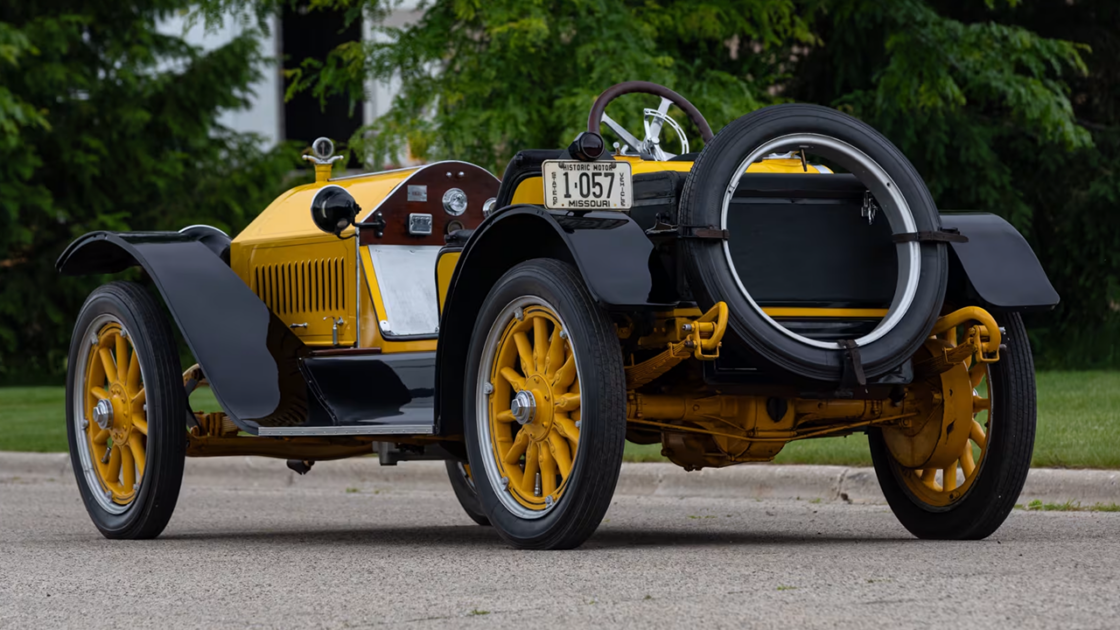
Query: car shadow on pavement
point(475, 536)
point(615, 538)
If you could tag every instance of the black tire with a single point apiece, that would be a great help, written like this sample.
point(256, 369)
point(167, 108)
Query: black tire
point(1007, 460)
point(465, 491)
point(140, 315)
point(594, 473)
point(711, 276)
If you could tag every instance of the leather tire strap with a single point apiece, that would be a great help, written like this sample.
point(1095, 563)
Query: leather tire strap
point(941, 236)
point(853, 366)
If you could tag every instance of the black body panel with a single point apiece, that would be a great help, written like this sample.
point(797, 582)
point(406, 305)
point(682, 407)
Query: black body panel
point(216, 240)
point(801, 240)
point(385, 389)
point(524, 165)
point(611, 251)
point(1000, 270)
point(248, 355)
point(617, 261)
point(795, 240)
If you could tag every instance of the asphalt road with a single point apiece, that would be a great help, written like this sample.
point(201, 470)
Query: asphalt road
point(309, 557)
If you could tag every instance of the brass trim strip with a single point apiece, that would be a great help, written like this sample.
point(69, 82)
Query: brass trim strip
point(783, 311)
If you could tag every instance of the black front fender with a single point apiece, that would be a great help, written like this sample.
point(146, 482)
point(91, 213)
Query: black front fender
point(243, 350)
point(996, 268)
point(612, 253)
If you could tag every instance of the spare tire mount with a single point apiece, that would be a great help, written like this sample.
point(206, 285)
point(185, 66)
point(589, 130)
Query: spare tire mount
point(886, 193)
point(918, 289)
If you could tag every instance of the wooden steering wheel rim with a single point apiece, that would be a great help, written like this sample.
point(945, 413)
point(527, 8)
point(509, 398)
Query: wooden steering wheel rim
point(595, 118)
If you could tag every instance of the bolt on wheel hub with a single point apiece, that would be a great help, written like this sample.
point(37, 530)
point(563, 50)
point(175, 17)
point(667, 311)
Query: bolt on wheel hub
point(524, 407)
point(103, 414)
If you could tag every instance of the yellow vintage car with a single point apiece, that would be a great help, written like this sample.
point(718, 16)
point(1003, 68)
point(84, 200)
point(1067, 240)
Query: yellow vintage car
point(792, 280)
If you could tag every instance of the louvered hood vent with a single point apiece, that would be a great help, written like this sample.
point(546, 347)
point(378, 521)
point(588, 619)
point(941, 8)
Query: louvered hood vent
point(306, 286)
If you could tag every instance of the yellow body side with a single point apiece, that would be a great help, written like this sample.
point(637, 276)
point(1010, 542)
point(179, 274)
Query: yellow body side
point(288, 219)
point(445, 269)
point(307, 277)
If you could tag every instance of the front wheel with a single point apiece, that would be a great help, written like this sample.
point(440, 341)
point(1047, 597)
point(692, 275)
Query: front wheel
point(462, 483)
point(125, 412)
point(545, 405)
point(969, 494)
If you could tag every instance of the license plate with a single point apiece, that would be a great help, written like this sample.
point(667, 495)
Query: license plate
point(575, 185)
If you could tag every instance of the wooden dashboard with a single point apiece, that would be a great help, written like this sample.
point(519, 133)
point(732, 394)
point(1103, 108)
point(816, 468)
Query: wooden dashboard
point(422, 193)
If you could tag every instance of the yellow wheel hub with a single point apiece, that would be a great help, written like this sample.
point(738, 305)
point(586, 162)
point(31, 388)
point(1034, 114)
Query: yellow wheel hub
point(115, 422)
point(939, 459)
point(534, 407)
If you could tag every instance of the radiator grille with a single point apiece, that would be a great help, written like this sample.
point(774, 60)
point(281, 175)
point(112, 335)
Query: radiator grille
point(302, 287)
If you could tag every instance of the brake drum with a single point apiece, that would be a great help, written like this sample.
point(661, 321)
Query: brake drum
point(937, 435)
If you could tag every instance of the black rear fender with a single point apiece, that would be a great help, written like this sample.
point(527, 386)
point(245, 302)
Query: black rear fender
point(612, 254)
point(243, 349)
point(996, 268)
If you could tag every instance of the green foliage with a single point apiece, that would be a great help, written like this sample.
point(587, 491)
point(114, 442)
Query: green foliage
point(1007, 109)
point(480, 81)
point(109, 124)
point(1003, 106)
point(15, 113)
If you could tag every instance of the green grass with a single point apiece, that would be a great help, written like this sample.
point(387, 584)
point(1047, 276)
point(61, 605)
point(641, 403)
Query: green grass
point(1078, 425)
point(34, 418)
point(1069, 506)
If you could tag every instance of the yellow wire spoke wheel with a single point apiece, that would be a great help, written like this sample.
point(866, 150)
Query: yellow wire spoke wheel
point(956, 471)
point(114, 414)
point(533, 407)
point(544, 407)
point(126, 412)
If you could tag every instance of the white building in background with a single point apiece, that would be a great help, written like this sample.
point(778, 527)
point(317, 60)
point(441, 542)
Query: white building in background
point(296, 35)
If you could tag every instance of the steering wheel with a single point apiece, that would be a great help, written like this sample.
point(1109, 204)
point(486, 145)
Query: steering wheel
point(649, 148)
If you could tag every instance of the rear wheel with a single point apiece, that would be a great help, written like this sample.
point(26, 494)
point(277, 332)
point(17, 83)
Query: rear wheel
point(546, 407)
point(125, 411)
point(969, 494)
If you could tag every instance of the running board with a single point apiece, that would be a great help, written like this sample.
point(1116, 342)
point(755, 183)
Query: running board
point(373, 429)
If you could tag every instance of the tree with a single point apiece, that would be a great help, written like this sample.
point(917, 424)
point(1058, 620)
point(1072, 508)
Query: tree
point(479, 80)
point(978, 95)
point(109, 124)
point(1003, 108)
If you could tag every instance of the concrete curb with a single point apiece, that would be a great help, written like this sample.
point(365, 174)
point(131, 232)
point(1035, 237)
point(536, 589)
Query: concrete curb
point(761, 481)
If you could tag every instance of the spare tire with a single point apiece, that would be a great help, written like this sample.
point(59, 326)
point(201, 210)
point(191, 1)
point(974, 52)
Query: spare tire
point(902, 196)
